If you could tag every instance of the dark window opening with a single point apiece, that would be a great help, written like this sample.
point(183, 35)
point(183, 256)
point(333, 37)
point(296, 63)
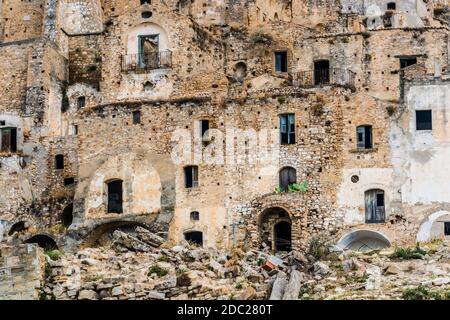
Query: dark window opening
point(115, 191)
point(204, 127)
point(9, 139)
point(146, 2)
point(321, 72)
point(191, 176)
point(364, 137)
point(424, 120)
point(146, 14)
point(69, 181)
point(43, 241)
point(67, 215)
point(406, 62)
point(195, 215)
point(2, 122)
point(136, 117)
point(447, 228)
point(81, 101)
point(282, 235)
point(391, 6)
point(59, 161)
point(195, 237)
point(287, 177)
point(281, 61)
point(17, 227)
point(375, 206)
point(287, 128)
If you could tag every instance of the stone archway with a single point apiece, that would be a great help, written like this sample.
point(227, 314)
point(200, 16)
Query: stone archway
point(274, 229)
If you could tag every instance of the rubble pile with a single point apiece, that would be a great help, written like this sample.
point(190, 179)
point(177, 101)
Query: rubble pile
point(141, 265)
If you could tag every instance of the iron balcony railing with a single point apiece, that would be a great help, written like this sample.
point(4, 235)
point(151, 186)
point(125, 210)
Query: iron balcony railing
point(140, 62)
point(324, 77)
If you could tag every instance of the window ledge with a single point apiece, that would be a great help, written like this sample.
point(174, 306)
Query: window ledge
point(360, 150)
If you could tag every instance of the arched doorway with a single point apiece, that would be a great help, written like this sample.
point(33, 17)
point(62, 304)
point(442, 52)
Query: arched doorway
point(274, 229)
point(67, 215)
point(195, 237)
point(283, 236)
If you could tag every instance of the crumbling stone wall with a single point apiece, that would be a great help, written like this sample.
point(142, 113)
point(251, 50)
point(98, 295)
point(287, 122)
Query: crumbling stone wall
point(21, 272)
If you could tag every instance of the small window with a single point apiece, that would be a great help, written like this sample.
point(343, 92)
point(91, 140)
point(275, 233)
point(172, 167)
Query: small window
point(447, 228)
point(424, 120)
point(146, 14)
point(136, 117)
point(195, 215)
point(8, 139)
point(59, 161)
point(67, 215)
point(146, 2)
point(2, 122)
point(406, 62)
point(195, 237)
point(191, 177)
point(69, 181)
point(204, 127)
point(391, 6)
point(81, 101)
point(281, 61)
point(364, 137)
point(287, 128)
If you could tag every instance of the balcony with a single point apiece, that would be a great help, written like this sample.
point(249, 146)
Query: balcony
point(324, 77)
point(145, 62)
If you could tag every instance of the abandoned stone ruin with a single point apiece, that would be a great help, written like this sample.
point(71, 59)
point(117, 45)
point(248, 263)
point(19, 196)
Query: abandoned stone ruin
point(224, 149)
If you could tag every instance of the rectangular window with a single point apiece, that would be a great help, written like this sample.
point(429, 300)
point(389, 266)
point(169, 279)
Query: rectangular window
point(149, 51)
point(406, 62)
point(136, 117)
point(287, 128)
point(8, 139)
point(281, 61)
point(424, 120)
point(81, 102)
point(191, 177)
point(69, 181)
point(364, 137)
point(447, 228)
point(204, 127)
point(195, 215)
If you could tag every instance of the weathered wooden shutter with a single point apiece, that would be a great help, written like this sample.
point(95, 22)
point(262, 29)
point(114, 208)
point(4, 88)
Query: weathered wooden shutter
point(291, 128)
point(284, 129)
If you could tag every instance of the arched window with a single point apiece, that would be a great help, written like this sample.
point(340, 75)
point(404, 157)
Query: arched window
point(364, 137)
point(287, 176)
point(191, 176)
point(115, 196)
point(195, 237)
point(375, 206)
point(59, 161)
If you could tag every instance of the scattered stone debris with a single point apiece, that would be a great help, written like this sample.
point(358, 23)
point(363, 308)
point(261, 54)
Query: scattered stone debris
point(144, 267)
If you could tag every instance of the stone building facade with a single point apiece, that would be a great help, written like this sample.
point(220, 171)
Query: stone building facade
point(224, 122)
